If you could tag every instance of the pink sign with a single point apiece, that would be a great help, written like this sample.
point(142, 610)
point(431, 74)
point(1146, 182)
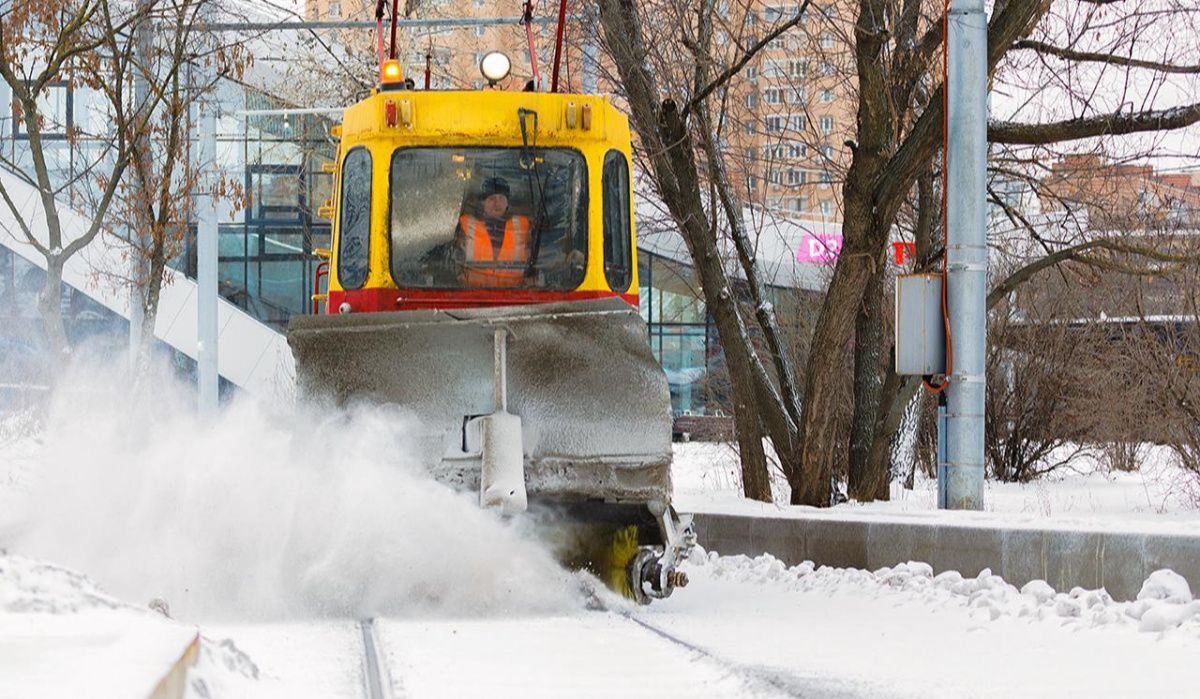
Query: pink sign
point(819, 248)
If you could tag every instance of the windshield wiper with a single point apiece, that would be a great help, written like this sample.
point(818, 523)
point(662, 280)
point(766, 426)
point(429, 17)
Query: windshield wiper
point(529, 163)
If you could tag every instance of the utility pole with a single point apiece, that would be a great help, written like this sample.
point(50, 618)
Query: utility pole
point(966, 252)
point(207, 375)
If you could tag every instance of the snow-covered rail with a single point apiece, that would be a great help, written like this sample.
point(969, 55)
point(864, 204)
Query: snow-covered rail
point(595, 653)
point(376, 680)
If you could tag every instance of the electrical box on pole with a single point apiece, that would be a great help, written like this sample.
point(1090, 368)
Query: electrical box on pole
point(920, 325)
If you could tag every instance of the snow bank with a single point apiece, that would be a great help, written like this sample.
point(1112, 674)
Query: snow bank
point(1166, 602)
point(60, 636)
point(267, 512)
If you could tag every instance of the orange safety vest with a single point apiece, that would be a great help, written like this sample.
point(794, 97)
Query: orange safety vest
point(480, 253)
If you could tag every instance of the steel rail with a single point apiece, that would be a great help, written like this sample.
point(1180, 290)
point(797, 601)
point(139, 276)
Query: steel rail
point(376, 679)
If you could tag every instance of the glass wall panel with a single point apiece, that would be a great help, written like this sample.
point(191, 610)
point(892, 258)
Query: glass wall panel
point(283, 285)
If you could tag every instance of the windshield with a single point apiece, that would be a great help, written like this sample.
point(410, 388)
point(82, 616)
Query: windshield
point(488, 218)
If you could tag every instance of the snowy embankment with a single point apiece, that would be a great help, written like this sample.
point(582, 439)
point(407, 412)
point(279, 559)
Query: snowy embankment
point(60, 636)
point(805, 630)
point(1157, 499)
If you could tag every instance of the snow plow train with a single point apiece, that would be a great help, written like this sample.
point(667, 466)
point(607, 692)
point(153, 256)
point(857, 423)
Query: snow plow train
point(483, 276)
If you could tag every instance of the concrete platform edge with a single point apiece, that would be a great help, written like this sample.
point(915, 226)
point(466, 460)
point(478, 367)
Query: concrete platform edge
point(1116, 561)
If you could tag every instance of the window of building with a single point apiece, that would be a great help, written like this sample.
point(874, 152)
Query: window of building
point(827, 40)
point(827, 96)
point(774, 13)
point(751, 154)
point(827, 151)
point(354, 222)
point(751, 183)
point(618, 233)
point(56, 106)
point(793, 176)
point(335, 9)
point(826, 125)
point(799, 94)
point(773, 152)
point(480, 31)
point(751, 72)
point(776, 124)
point(797, 122)
point(749, 126)
point(777, 44)
point(826, 69)
point(775, 202)
point(751, 100)
point(801, 203)
point(773, 96)
point(775, 176)
point(826, 178)
point(773, 68)
point(798, 69)
point(826, 207)
point(797, 150)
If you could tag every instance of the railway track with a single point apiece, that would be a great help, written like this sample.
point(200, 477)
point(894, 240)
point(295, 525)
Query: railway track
point(376, 680)
point(556, 656)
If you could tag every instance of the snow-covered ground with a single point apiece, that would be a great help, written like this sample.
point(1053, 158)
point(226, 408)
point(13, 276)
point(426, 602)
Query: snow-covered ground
point(743, 628)
point(272, 550)
point(1158, 498)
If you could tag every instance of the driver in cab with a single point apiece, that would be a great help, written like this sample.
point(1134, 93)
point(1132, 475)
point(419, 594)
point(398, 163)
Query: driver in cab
point(494, 245)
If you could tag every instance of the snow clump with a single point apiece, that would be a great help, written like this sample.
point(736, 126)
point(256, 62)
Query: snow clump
point(1165, 602)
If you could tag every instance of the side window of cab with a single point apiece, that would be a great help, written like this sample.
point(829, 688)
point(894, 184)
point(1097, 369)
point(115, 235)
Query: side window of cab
point(618, 233)
point(354, 223)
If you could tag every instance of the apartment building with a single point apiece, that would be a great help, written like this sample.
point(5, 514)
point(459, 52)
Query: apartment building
point(1122, 196)
point(794, 105)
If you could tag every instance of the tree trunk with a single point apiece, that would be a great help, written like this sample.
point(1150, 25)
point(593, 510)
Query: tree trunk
point(672, 159)
point(154, 283)
point(824, 380)
point(50, 306)
point(865, 475)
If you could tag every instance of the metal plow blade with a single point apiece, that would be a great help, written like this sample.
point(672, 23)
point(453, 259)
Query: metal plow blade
point(594, 407)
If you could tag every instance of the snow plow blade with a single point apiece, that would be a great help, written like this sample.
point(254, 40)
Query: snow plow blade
point(592, 402)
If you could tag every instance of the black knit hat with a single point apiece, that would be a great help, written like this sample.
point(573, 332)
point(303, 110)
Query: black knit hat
point(495, 185)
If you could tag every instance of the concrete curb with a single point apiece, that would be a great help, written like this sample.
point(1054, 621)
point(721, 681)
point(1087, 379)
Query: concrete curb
point(1118, 562)
point(173, 685)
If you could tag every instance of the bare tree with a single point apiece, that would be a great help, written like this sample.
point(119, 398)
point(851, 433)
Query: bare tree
point(179, 64)
point(896, 67)
point(55, 46)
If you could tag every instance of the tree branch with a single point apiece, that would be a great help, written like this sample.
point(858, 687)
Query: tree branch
point(1112, 59)
point(737, 66)
point(1114, 124)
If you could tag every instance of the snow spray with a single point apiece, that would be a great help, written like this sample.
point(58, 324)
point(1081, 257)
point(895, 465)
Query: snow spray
point(268, 511)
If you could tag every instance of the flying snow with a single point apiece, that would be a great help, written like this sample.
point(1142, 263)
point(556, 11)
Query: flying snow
point(269, 512)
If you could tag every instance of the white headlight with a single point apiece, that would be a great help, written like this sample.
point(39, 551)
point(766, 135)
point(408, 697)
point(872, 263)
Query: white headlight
point(495, 66)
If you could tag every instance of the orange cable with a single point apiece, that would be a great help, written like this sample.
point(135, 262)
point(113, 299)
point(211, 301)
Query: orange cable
point(945, 201)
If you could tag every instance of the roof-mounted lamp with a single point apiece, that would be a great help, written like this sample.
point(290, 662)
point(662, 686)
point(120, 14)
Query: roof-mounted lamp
point(495, 67)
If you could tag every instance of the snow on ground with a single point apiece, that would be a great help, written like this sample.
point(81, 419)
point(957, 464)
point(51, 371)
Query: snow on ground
point(60, 636)
point(272, 548)
point(1156, 499)
point(902, 632)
